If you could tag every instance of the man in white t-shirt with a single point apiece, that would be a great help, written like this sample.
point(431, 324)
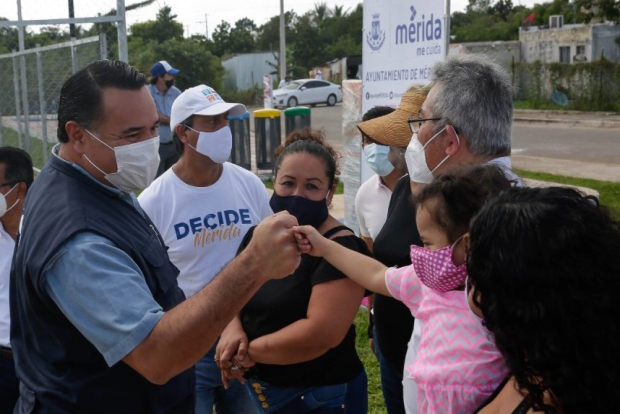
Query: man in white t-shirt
point(16, 175)
point(203, 206)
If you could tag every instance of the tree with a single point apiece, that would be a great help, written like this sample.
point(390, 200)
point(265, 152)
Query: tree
point(164, 28)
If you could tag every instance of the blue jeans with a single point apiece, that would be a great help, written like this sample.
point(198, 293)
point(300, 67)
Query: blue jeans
point(9, 385)
point(347, 398)
point(391, 381)
point(210, 391)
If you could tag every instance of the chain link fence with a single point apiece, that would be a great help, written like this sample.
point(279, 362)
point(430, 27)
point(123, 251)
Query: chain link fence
point(43, 54)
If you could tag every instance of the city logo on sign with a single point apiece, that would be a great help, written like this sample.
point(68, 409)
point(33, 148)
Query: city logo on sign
point(376, 36)
point(426, 29)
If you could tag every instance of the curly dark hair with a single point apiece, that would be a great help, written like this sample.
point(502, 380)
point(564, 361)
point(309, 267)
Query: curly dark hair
point(544, 267)
point(312, 142)
point(460, 193)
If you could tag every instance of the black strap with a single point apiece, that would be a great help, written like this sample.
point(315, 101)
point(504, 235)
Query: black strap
point(335, 230)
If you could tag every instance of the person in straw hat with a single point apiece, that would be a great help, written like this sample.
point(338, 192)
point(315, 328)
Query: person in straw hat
point(393, 323)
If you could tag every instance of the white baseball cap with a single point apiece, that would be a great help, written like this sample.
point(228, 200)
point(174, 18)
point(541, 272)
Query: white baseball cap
point(201, 100)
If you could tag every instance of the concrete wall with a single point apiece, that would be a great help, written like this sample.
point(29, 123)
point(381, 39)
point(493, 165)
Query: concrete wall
point(245, 70)
point(500, 51)
point(544, 44)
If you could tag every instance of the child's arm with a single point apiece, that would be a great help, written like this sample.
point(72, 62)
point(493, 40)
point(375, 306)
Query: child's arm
point(362, 269)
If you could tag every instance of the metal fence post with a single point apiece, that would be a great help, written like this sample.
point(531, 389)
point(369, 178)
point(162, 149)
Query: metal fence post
point(74, 62)
point(123, 54)
point(18, 112)
point(103, 46)
point(43, 110)
point(26, 114)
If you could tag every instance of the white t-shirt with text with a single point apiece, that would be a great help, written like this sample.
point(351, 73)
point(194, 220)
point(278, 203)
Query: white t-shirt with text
point(203, 226)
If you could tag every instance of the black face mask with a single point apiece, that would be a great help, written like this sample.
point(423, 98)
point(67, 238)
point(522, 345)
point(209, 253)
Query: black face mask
point(307, 212)
point(169, 83)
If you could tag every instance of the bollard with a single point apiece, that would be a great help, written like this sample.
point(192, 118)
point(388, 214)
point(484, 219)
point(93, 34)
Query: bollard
point(267, 136)
point(241, 151)
point(296, 118)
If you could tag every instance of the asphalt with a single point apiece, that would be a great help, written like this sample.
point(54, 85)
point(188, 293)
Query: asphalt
point(601, 172)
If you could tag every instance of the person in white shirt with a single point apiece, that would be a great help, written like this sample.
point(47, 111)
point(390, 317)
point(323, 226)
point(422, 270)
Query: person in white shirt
point(16, 175)
point(203, 206)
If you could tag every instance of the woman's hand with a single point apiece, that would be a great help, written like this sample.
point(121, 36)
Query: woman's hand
point(231, 352)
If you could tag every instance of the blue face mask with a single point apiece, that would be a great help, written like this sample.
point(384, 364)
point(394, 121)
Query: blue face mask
point(377, 159)
point(307, 212)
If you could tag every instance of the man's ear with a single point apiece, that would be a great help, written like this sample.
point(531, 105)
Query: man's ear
point(76, 135)
point(181, 133)
point(455, 140)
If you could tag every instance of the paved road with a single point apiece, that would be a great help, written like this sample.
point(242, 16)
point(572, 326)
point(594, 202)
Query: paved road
point(558, 148)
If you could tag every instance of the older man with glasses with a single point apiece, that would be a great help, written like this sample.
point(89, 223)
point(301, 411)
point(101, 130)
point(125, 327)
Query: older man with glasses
point(466, 119)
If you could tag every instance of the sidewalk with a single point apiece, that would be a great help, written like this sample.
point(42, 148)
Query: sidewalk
point(568, 118)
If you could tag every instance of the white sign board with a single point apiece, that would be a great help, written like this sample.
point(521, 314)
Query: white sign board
point(402, 41)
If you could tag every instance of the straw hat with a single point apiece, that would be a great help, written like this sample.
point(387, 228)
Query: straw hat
point(393, 129)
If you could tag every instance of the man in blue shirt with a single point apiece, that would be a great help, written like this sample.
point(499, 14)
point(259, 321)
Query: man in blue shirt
point(99, 323)
point(162, 89)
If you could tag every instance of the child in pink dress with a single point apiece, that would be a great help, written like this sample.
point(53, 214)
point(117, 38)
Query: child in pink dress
point(457, 365)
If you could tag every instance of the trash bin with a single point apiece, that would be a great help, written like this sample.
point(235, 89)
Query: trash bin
point(240, 128)
point(297, 117)
point(267, 137)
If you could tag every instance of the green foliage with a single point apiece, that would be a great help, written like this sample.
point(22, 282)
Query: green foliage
point(609, 192)
point(247, 97)
point(164, 28)
point(196, 63)
point(589, 86)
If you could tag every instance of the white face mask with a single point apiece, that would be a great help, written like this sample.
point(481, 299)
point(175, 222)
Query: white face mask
point(215, 145)
point(3, 206)
point(137, 164)
point(415, 158)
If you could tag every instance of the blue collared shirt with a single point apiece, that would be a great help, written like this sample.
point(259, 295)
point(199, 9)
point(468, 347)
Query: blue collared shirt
point(101, 290)
point(163, 103)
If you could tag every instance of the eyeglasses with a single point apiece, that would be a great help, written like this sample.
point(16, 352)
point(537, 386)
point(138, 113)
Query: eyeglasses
point(416, 123)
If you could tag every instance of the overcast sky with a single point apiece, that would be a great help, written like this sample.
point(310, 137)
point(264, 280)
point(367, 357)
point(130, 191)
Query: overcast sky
point(191, 13)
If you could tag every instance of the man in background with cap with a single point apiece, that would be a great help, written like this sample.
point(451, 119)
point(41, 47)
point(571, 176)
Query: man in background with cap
point(203, 206)
point(98, 322)
point(164, 93)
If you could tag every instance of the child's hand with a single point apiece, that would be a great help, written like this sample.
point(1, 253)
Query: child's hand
point(309, 240)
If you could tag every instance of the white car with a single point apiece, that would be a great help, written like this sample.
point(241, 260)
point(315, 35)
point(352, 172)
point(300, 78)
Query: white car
point(307, 92)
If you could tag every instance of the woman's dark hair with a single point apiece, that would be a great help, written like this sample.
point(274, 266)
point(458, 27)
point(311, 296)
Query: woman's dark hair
point(544, 266)
point(460, 194)
point(311, 142)
point(81, 96)
point(377, 112)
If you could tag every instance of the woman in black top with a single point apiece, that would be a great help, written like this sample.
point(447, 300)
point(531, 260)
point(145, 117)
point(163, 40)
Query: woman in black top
point(300, 328)
point(544, 273)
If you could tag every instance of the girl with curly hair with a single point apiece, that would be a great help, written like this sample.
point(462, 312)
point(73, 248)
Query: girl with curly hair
point(544, 273)
point(457, 366)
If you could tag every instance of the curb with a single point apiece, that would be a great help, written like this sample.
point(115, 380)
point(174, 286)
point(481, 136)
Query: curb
point(586, 123)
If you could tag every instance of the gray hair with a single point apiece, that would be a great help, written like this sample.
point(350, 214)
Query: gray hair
point(475, 96)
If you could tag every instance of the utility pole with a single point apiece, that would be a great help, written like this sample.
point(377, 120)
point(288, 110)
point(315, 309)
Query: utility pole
point(206, 26)
point(282, 43)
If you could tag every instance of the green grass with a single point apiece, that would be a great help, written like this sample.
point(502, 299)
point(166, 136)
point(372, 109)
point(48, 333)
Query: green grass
point(375, 397)
point(609, 192)
point(36, 147)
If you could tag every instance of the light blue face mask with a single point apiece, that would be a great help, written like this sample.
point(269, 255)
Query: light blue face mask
point(377, 159)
